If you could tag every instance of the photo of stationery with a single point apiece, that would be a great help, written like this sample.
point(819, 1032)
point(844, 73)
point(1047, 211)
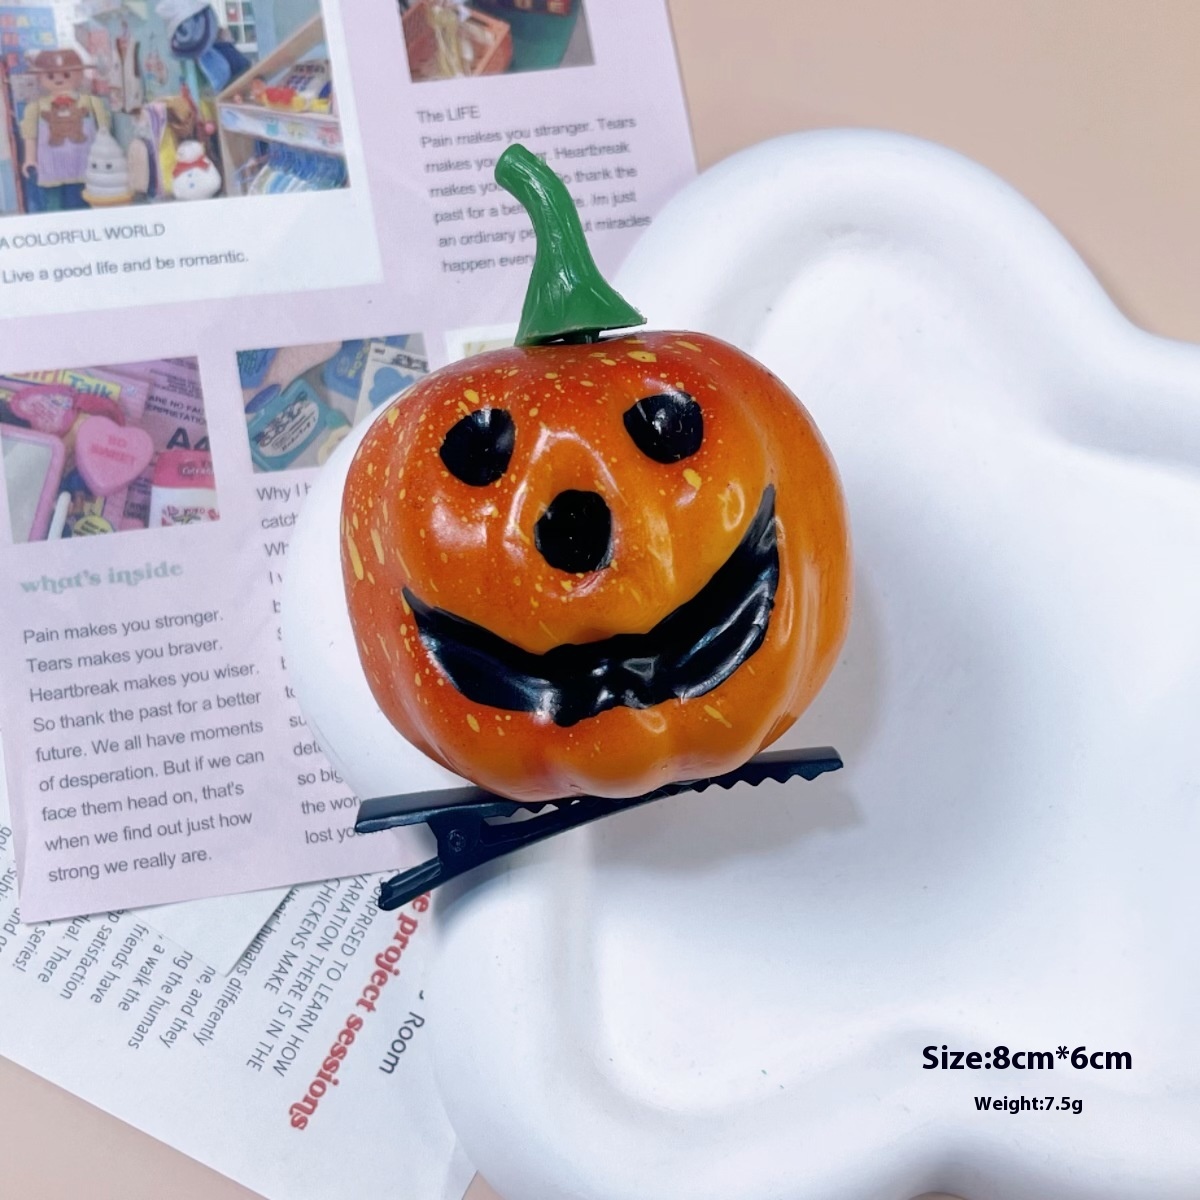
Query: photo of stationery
point(105, 450)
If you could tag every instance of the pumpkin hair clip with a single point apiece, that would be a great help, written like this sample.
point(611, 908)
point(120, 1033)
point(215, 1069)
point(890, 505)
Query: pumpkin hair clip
point(591, 570)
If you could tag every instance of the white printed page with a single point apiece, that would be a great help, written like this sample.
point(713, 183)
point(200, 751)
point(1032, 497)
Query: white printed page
point(178, 366)
point(314, 1042)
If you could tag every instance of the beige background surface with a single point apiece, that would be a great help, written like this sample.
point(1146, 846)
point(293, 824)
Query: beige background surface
point(1091, 108)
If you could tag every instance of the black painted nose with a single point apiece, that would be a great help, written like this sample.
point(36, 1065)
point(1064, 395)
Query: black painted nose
point(575, 533)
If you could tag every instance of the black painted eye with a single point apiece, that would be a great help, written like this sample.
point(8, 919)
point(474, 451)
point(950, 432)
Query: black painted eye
point(478, 448)
point(667, 427)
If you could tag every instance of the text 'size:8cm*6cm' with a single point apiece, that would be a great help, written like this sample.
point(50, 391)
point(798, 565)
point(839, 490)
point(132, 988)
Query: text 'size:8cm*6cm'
point(1002, 1058)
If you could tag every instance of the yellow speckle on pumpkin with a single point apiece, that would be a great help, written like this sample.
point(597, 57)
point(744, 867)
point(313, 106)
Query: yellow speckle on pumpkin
point(693, 477)
point(586, 383)
point(377, 542)
point(403, 493)
point(393, 415)
point(417, 678)
point(609, 362)
point(404, 603)
point(444, 557)
point(533, 412)
point(355, 560)
point(421, 532)
point(474, 724)
point(464, 408)
point(471, 394)
point(717, 715)
point(689, 346)
point(370, 577)
point(354, 520)
point(645, 356)
point(547, 631)
point(567, 585)
point(551, 374)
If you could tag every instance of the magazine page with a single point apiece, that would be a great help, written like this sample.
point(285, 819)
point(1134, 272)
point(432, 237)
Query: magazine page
point(233, 232)
point(315, 1041)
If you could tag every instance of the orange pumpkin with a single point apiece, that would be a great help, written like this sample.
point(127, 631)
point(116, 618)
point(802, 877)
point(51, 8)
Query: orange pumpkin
point(594, 566)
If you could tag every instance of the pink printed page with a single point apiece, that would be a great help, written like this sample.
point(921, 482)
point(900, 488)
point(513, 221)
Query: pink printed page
point(243, 270)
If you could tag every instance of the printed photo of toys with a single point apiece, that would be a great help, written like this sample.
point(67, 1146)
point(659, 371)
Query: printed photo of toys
point(106, 449)
point(108, 103)
point(446, 39)
point(301, 401)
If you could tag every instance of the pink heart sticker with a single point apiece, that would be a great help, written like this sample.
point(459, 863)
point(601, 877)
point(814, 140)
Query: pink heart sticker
point(111, 456)
point(47, 409)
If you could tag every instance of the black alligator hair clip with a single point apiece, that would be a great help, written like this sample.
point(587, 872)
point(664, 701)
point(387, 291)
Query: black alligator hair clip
point(471, 825)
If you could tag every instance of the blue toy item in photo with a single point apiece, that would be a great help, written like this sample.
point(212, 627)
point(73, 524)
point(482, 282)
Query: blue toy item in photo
point(196, 37)
point(253, 366)
point(282, 425)
point(388, 383)
point(343, 373)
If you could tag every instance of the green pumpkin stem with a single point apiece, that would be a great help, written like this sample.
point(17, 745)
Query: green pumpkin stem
point(568, 300)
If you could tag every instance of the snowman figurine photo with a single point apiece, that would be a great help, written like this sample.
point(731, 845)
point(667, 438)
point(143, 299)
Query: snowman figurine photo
point(196, 175)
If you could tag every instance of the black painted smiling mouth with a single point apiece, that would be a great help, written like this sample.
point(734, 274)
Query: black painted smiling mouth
point(689, 652)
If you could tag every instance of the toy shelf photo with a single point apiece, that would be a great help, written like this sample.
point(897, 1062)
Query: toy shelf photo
point(278, 125)
point(111, 103)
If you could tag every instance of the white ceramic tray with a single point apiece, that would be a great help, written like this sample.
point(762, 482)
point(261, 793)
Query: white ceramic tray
point(727, 996)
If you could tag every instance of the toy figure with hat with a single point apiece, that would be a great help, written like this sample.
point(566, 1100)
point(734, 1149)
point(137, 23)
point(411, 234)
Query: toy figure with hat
point(58, 128)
